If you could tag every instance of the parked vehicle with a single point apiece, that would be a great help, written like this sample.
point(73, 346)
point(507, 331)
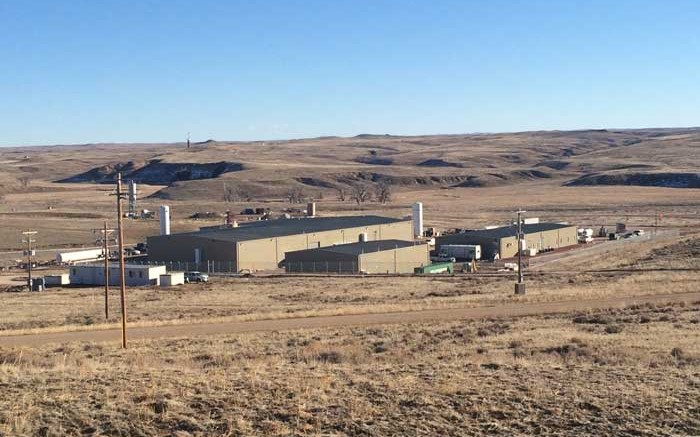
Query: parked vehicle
point(585, 235)
point(442, 259)
point(196, 277)
point(639, 232)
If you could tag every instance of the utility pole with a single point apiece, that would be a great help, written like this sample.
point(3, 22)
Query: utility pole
point(656, 221)
point(105, 248)
point(520, 285)
point(120, 196)
point(28, 238)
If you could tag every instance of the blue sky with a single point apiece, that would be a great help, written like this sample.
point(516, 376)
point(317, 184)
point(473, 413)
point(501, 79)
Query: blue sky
point(149, 71)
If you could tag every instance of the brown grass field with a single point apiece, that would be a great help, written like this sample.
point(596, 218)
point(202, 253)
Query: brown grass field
point(618, 371)
point(603, 373)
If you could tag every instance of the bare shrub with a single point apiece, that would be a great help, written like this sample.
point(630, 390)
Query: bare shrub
point(594, 319)
point(570, 350)
point(24, 181)
point(613, 329)
point(233, 193)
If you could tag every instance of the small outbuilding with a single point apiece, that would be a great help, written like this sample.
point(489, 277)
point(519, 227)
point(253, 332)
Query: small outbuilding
point(172, 278)
point(383, 256)
point(134, 274)
point(57, 280)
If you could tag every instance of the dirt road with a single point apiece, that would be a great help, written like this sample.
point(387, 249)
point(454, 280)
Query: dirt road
point(581, 254)
point(207, 329)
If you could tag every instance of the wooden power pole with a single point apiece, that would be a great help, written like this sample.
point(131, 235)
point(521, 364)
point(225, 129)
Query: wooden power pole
point(104, 240)
point(120, 196)
point(28, 238)
point(520, 285)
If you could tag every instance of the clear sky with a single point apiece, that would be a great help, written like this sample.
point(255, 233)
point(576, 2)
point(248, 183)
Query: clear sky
point(79, 71)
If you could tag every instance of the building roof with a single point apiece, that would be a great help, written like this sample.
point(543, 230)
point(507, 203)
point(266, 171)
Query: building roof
point(293, 226)
point(512, 231)
point(115, 265)
point(360, 247)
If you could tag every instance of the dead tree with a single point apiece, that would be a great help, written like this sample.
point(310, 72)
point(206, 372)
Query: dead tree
point(24, 181)
point(296, 195)
point(360, 193)
point(382, 191)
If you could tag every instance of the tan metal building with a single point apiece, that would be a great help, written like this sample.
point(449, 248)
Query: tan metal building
point(385, 256)
point(504, 241)
point(262, 245)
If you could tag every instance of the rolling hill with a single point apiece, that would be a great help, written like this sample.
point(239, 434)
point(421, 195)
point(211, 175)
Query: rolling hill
point(645, 157)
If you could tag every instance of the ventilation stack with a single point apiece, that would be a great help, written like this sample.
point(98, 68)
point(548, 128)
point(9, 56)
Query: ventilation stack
point(417, 219)
point(311, 209)
point(230, 220)
point(164, 220)
point(132, 199)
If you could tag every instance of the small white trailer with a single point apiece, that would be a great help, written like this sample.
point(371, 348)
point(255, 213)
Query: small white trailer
point(466, 252)
point(78, 256)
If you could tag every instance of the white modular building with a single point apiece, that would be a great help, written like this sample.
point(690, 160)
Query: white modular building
point(134, 274)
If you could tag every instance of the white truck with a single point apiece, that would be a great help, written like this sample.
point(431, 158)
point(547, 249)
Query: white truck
point(460, 252)
point(585, 235)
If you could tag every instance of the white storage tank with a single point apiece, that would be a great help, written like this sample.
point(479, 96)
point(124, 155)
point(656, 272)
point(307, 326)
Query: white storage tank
point(417, 210)
point(164, 220)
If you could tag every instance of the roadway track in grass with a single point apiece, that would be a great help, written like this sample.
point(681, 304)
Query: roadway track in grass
point(425, 316)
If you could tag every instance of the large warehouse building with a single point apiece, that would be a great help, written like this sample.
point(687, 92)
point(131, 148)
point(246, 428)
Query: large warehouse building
point(504, 241)
point(262, 245)
point(385, 256)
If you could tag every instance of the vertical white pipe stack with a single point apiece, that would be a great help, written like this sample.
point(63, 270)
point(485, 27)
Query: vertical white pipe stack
point(417, 219)
point(311, 209)
point(164, 220)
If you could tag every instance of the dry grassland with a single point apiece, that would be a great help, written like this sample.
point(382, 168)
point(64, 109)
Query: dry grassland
point(604, 373)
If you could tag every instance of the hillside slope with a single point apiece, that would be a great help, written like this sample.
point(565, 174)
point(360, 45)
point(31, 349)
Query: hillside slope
point(656, 157)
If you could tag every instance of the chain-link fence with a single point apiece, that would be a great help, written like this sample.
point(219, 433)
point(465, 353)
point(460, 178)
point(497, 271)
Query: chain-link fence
point(388, 267)
point(183, 266)
point(292, 267)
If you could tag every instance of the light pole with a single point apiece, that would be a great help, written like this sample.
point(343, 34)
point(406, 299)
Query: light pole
point(29, 240)
point(520, 285)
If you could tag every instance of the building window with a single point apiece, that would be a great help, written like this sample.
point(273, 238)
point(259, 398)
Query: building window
point(140, 274)
point(131, 273)
point(75, 271)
